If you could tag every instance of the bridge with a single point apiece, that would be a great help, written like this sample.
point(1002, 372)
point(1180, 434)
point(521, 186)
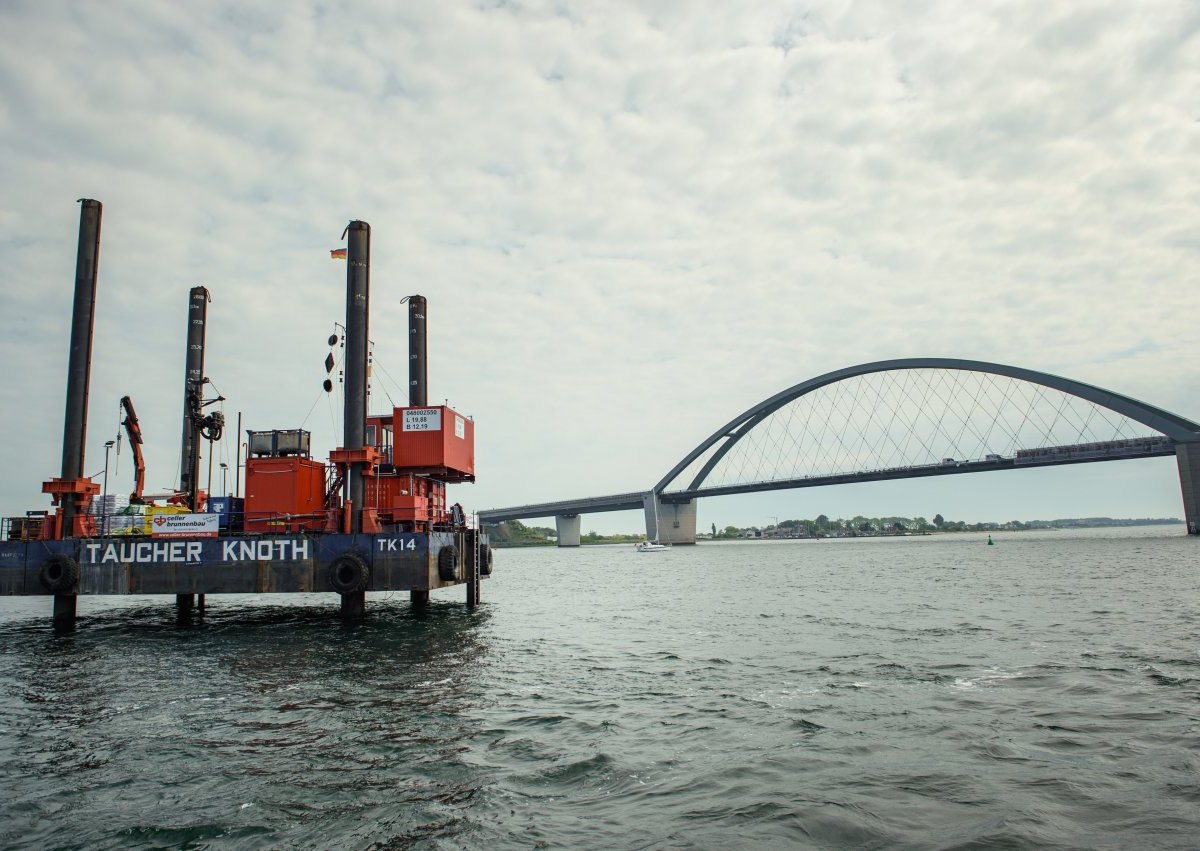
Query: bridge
point(898, 419)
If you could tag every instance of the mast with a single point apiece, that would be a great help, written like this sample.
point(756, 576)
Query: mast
point(193, 390)
point(79, 369)
point(418, 356)
point(354, 420)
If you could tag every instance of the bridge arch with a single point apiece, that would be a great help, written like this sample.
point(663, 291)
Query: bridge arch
point(1179, 429)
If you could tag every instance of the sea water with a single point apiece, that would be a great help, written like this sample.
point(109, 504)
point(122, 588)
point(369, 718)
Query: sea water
point(921, 692)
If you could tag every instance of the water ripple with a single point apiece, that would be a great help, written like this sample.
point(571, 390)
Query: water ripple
point(882, 694)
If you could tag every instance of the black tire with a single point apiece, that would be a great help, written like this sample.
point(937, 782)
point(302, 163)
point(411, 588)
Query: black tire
point(349, 574)
point(448, 564)
point(485, 560)
point(60, 574)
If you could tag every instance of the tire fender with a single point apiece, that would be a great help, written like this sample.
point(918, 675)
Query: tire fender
point(448, 563)
point(60, 574)
point(349, 574)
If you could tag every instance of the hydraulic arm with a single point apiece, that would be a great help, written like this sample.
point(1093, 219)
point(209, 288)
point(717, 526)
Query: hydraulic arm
point(135, 440)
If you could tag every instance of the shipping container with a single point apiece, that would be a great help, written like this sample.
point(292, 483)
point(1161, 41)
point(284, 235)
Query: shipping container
point(436, 441)
point(278, 442)
point(284, 494)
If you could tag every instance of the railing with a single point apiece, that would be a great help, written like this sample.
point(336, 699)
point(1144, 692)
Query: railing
point(1102, 449)
point(140, 522)
point(27, 528)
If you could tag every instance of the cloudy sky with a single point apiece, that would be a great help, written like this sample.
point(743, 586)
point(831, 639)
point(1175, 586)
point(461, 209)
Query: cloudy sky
point(632, 221)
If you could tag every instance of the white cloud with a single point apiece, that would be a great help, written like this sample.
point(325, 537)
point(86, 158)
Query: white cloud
point(631, 225)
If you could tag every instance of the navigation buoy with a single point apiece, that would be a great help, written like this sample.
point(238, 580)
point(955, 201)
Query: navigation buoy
point(991, 543)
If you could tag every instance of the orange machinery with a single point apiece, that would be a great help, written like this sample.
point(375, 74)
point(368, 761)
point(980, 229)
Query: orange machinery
point(417, 451)
point(285, 488)
point(421, 450)
point(134, 430)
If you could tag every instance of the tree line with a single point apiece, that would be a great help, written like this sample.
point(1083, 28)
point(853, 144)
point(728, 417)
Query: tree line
point(823, 525)
point(514, 533)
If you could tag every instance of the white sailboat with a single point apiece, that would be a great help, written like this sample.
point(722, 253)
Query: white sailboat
point(651, 547)
point(654, 546)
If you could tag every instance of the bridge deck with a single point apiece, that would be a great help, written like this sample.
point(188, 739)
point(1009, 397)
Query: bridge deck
point(566, 507)
point(633, 501)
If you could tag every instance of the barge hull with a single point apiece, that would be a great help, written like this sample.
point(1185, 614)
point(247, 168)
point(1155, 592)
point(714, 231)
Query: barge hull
point(241, 564)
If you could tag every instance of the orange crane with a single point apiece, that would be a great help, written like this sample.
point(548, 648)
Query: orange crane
point(135, 440)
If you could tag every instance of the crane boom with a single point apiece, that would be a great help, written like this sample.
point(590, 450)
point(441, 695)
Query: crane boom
point(135, 440)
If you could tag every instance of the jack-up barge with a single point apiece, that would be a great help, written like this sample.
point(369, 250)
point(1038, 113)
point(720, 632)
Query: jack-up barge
point(374, 519)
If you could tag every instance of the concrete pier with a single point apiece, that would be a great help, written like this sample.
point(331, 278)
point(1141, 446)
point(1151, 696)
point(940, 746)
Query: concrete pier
point(568, 530)
point(1188, 457)
point(670, 522)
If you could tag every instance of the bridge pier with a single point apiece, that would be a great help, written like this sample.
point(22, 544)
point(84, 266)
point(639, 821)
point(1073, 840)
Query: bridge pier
point(568, 529)
point(1188, 457)
point(670, 522)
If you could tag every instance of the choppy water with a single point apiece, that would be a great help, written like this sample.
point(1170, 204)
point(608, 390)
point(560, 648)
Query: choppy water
point(888, 693)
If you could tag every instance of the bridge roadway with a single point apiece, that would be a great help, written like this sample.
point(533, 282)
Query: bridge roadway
point(640, 499)
point(671, 514)
point(566, 507)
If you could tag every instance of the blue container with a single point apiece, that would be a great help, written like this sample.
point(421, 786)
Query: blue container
point(231, 509)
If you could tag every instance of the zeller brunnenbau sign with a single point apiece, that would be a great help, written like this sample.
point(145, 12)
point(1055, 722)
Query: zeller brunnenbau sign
point(185, 525)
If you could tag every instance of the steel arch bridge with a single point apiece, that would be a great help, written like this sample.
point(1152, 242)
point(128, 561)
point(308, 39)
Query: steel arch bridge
point(904, 418)
point(1017, 415)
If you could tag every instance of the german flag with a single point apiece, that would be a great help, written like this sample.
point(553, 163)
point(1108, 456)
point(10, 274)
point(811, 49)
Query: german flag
point(338, 254)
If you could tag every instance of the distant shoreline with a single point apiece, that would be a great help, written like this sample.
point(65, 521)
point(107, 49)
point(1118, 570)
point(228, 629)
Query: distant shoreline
point(533, 537)
point(1048, 527)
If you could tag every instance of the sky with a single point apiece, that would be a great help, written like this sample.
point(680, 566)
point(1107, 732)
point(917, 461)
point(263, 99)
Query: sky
point(633, 221)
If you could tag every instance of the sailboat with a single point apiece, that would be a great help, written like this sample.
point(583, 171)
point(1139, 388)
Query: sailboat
point(654, 546)
point(651, 547)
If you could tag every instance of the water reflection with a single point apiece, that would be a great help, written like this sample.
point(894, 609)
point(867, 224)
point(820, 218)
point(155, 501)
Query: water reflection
point(268, 718)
